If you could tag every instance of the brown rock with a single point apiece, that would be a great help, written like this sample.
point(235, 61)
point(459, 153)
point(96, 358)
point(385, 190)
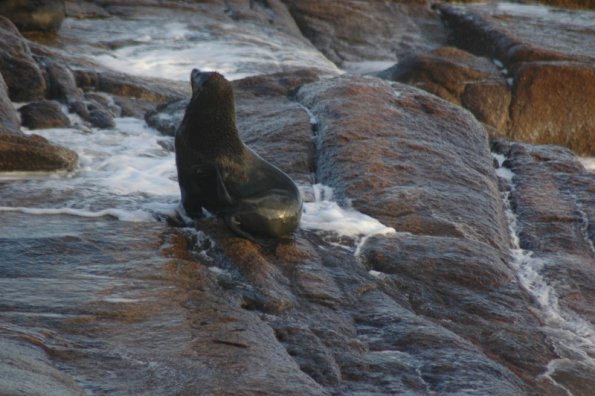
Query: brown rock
point(26, 369)
point(60, 81)
point(44, 114)
point(34, 153)
point(553, 102)
point(553, 200)
point(31, 15)
point(21, 74)
point(553, 69)
point(579, 4)
point(489, 101)
point(9, 119)
point(375, 141)
point(459, 77)
point(149, 90)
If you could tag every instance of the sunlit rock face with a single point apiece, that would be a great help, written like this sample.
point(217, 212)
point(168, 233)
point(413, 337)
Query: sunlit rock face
point(543, 87)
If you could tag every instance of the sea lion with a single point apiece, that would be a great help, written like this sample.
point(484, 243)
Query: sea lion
point(218, 172)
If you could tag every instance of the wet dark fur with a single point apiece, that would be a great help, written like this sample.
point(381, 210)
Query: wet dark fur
point(218, 172)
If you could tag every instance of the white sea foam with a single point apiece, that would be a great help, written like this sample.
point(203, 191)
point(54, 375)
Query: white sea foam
point(588, 163)
point(366, 67)
point(120, 214)
point(123, 173)
point(324, 214)
point(524, 9)
point(573, 337)
point(172, 49)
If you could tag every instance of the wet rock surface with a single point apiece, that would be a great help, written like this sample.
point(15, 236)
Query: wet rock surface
point(21, 74)
point(10, 119)
point(31, 15)
point(459, 77)
point(43, 114)
point(447, 304)
point(356, 31)
point(34, 153)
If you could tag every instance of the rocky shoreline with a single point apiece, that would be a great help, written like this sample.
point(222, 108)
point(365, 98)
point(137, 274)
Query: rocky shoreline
point(447, 304)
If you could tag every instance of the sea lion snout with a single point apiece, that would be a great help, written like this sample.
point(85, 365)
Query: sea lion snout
point(197, 79)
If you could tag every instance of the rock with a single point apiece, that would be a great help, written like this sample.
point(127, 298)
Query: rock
point(489, 101)
point(31, 15)
point(93, 112)
point(553, 200)
point(552, 103)
point(580, 4)
point(550, 68)
point(374, 140)
point(377, 162)
point(101, 119)
point(34, 153)
point(166, 117)
point(26, 370)
point(44, 114)
point(84, 9)
point(541, 33)
point(146, 89)
point(21, 74)
point(60, 81)
point(459, 77)
point(9, 119)
point(355, 31)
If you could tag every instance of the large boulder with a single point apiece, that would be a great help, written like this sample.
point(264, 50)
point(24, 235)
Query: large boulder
point(553, 103)
point(9, 119)
point(551, 69)
point(43, 114)
point(22, 75)
point(34, 153)
point(34, 15)
point(552, 198)
point(459, 77)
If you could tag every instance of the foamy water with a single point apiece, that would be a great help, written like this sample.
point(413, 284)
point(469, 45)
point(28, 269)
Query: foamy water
point(123, 172)
point(588, 163)
point(170, 49)
point(128, 174)
point(572, 336)
point(325, 215)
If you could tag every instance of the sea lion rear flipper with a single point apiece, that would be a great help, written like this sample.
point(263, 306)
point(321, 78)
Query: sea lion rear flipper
point(234, 225)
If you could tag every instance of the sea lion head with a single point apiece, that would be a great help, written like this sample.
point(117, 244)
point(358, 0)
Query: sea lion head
point(209, 121)
point(209, 85)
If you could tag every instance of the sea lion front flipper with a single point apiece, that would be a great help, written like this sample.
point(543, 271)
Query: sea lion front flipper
point(222, 190)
